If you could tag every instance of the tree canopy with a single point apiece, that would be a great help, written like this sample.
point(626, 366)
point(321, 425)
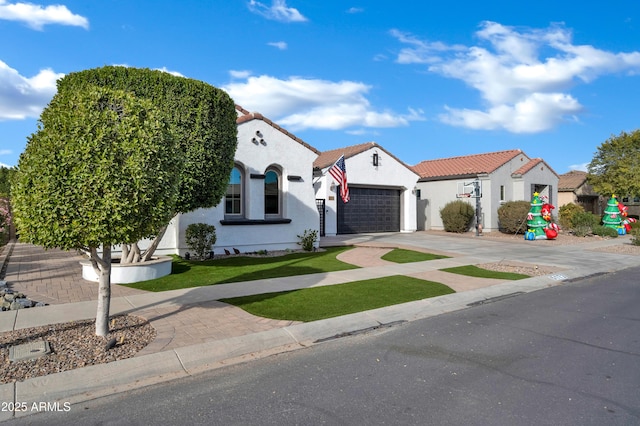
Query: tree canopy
point(99, 171)
point(5, 181)
point(201, 117)
point(616, 165)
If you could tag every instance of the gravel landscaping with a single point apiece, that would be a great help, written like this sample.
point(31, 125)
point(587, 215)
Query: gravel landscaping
point(73, 345)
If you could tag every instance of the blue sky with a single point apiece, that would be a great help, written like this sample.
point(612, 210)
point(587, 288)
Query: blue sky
point(425, 80)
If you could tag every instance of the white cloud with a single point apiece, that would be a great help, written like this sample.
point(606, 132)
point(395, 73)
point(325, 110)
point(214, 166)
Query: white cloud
point(524, 90)
point(175, 73)
point(421, 52)
point(278, 44)
point(240, 74)
point(22, 97)
point(355, 10)
point(5, 152)
point(299, 103)
point(36, 16)
point(581, 167)
point(535, 113)
point(278, 11)
point(361, 132)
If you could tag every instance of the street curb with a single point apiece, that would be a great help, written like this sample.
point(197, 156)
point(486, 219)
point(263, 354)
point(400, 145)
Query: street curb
point(66, 389)
point(4, 257)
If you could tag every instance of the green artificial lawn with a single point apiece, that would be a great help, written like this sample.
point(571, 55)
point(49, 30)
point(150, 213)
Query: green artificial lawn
point(474, 271)
point(187, 274)
point(408, 256)
point(312, 304)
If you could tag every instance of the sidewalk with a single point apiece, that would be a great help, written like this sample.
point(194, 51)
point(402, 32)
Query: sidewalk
point(195, 332)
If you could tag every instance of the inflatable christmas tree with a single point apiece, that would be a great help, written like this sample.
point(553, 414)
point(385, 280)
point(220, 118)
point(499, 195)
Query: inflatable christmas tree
point(613, 216)
point(539, 225)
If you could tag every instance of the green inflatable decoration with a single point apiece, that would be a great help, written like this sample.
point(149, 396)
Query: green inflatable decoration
point(613, 216)
point(539, 221)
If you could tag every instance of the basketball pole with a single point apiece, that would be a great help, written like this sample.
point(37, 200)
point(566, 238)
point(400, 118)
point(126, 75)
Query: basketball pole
point(478, 194)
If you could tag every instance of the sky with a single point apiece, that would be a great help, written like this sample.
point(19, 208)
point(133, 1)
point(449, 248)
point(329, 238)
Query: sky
point(425, 80)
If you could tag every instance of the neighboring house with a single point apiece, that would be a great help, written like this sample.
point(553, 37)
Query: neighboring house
point(381, 188)
point(574, 188)
point(270, 198)
point(280, 187)
point(503, 176)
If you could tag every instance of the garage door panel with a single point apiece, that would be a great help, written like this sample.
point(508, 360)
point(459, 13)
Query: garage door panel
point(369, 210)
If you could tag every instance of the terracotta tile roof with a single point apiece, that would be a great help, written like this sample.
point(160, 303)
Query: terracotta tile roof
point(532, 164)
point(245, 116)
point(572, 180)
point(527, 166)
point(468, 165)
point(327, 158)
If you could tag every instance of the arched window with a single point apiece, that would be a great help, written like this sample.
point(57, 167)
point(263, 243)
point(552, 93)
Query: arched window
point(233, 199)
point(272, 193)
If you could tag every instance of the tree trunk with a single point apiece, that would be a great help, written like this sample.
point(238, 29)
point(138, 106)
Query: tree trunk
point(132, 254)
point(154, 245)
point(125, 253)
point(104, 290)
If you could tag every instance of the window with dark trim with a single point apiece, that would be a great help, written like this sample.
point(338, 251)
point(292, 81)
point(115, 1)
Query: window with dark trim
point(233, 199)
point(272, 193)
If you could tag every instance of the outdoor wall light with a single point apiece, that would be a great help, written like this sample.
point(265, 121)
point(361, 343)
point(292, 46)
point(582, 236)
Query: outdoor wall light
point(262, 141)
point(254, 140)
point(258, 134)
point(375, 159)
point(332, 187)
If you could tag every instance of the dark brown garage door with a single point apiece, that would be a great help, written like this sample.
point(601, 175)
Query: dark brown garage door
point(369, 210)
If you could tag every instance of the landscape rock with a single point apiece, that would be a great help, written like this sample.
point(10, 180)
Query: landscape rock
point(10, 300)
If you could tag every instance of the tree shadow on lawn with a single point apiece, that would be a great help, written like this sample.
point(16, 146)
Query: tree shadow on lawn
point(186, 274)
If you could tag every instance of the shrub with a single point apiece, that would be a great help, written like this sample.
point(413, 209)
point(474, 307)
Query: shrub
point(584, 222)
point(200, 237)
point(635, 236)
point(512, 216)
point(308, 239)
point(457, 216)
point(5, 220)
point(604, 231)
point(567, 212)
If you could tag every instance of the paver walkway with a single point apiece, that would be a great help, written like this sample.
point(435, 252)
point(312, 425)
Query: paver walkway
point(55, 277)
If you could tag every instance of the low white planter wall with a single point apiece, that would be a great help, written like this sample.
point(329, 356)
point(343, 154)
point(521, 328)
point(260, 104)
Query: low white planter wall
point(132, 272)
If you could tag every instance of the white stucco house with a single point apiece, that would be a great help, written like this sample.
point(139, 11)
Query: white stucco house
point(270, 198)
point(503, 176)
point(381, 188)
point(280, 187)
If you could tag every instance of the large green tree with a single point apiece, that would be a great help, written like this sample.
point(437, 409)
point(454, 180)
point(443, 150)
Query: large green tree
point(99, 171)
point(202, 119)
point(616, 165)
point(5, 181)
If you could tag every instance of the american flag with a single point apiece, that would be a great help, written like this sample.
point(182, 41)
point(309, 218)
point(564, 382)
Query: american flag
point(339, 172)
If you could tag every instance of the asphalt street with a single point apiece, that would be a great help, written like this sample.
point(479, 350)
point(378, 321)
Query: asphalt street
point(566, 355)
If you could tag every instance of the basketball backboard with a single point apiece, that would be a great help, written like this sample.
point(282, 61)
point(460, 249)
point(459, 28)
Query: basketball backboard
point(469, 190)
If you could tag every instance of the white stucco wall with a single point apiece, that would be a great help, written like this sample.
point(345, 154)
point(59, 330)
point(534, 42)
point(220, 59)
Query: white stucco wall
point(436, 194)
point(390, 174)
point(292, 159)
point(539, 175)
